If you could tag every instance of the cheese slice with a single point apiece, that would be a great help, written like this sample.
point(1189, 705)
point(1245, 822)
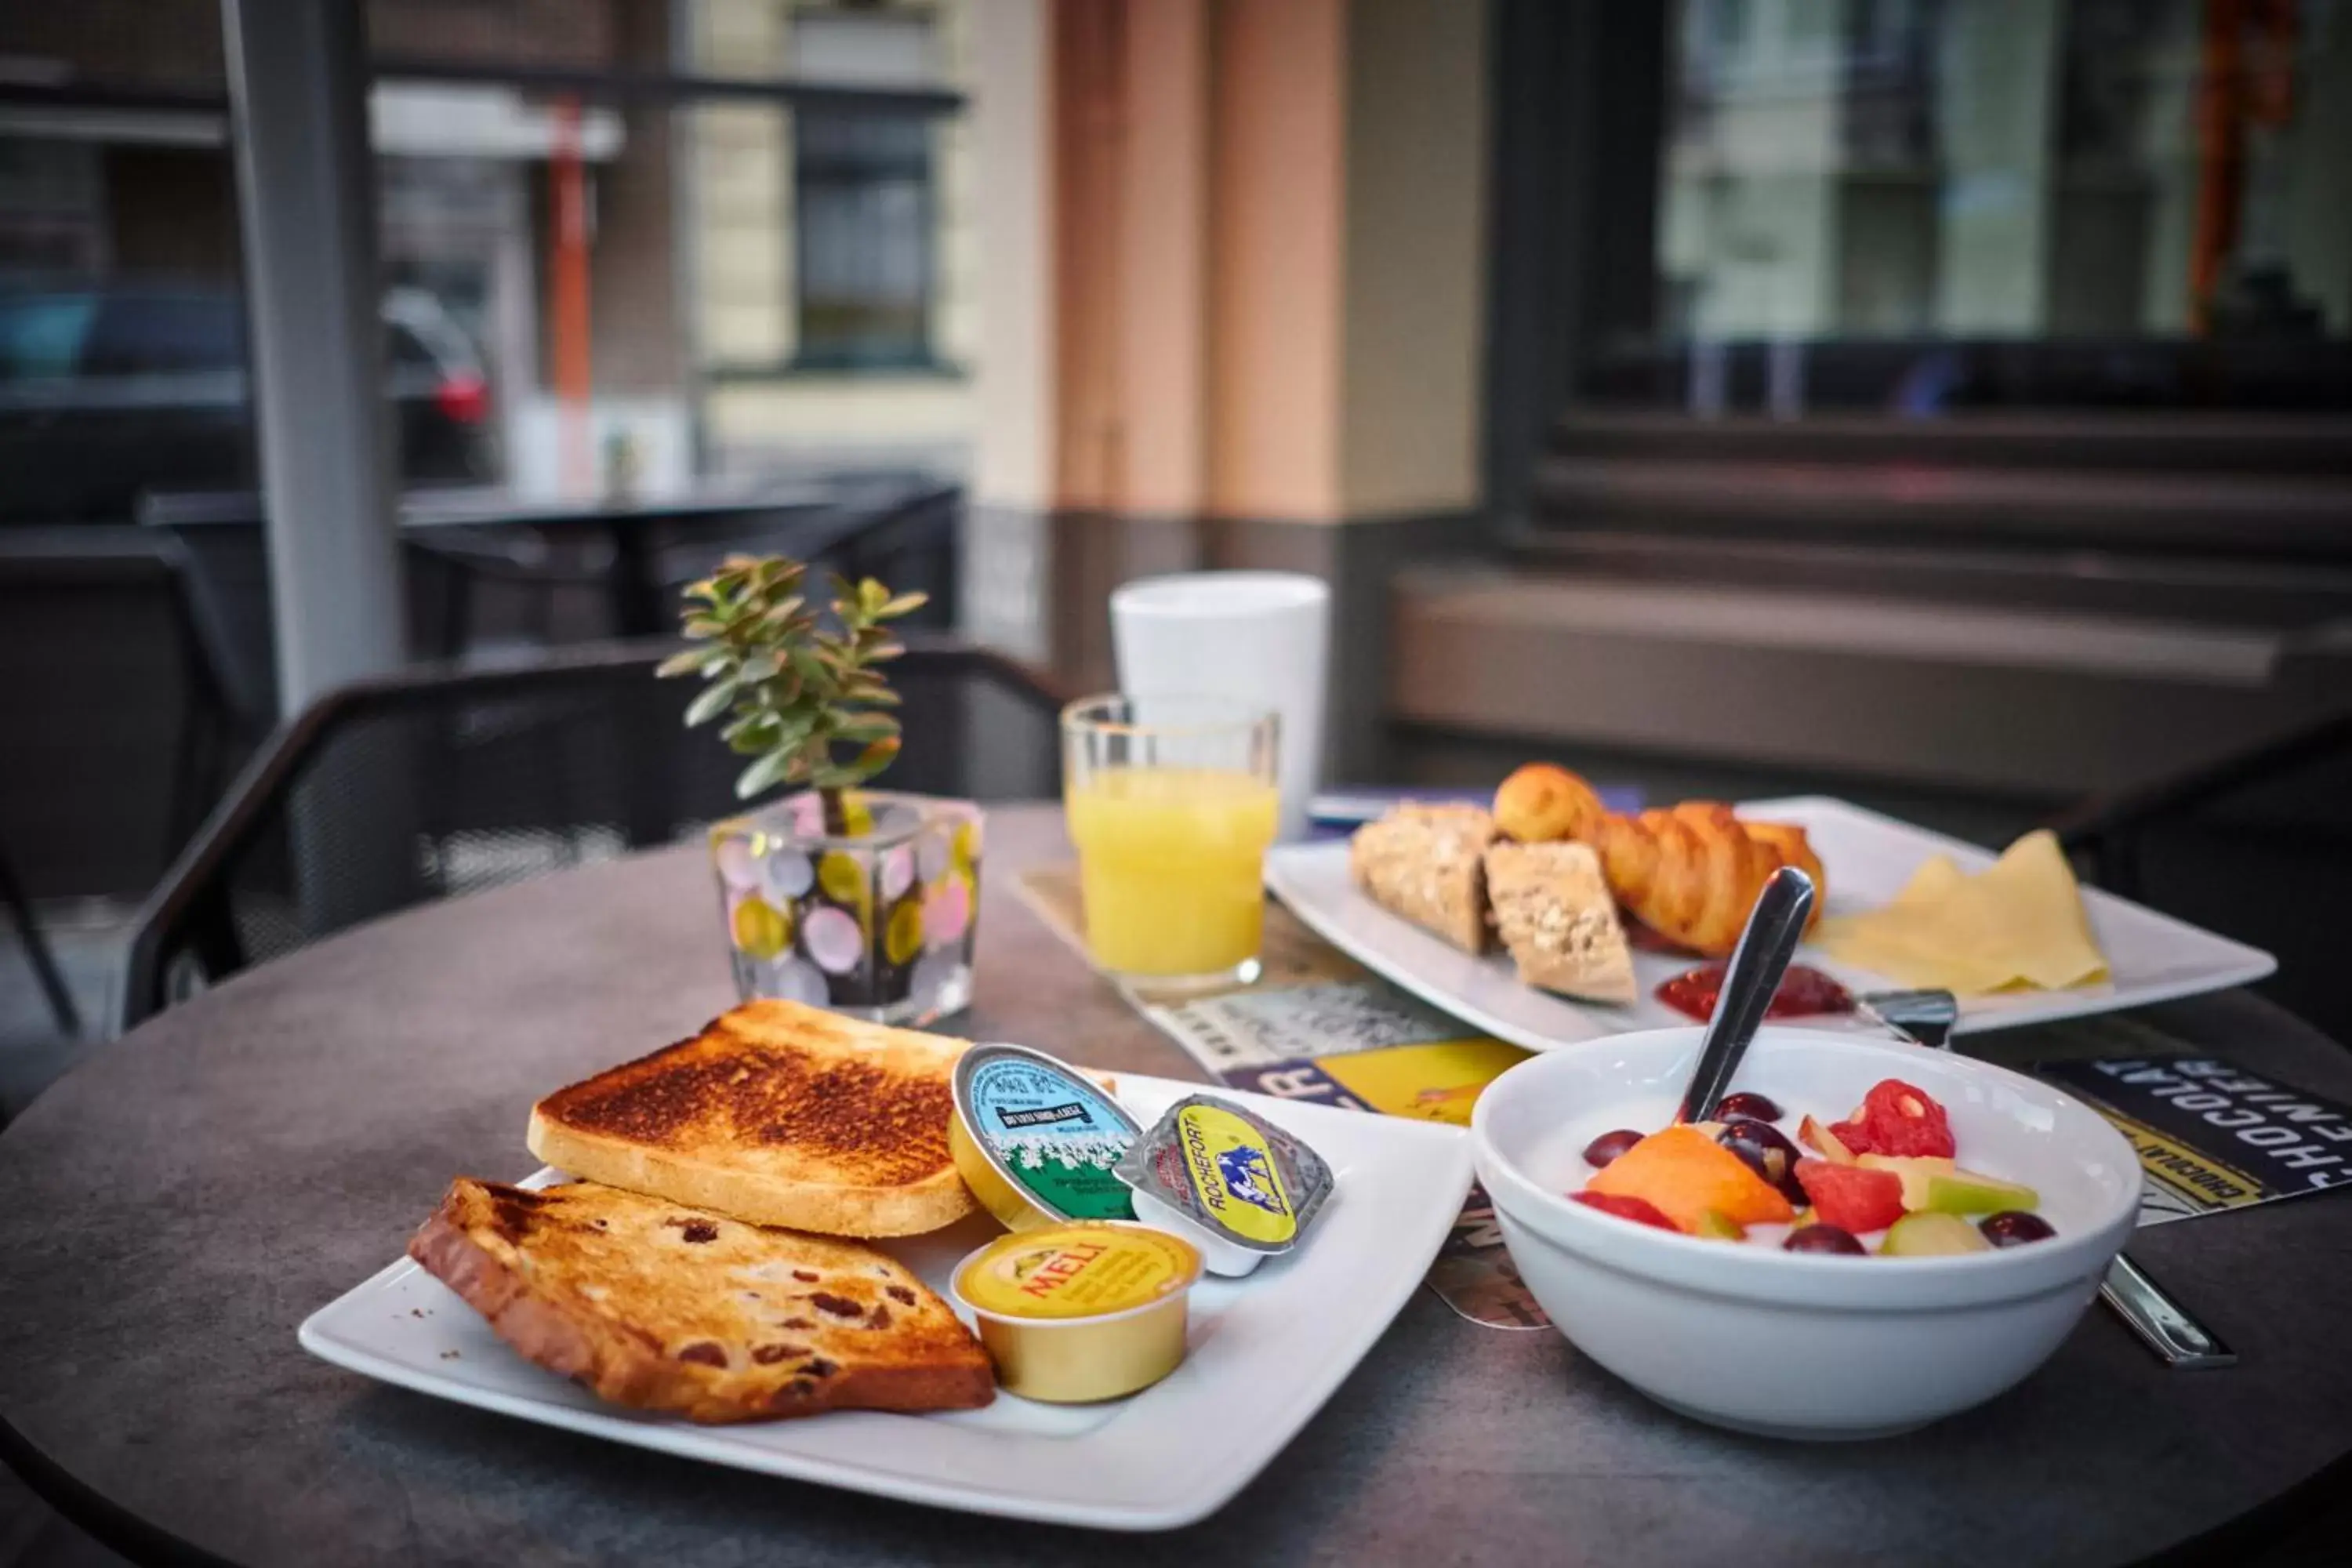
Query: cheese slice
point(2017, 923)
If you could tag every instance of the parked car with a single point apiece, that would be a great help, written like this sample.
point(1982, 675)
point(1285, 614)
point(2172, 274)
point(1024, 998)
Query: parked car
point(107, 392)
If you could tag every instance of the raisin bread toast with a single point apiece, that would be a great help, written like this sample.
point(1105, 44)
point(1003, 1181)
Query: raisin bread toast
point(776, 1114)
point(1424, 862)
point(1553, 910)
point(661, 1307)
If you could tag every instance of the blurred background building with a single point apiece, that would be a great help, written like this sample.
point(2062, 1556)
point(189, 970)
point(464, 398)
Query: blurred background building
point(1941, 402)
point(761, 290)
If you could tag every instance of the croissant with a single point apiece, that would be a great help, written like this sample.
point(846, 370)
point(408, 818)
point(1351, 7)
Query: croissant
point(1690, 872)
point(1544, 801)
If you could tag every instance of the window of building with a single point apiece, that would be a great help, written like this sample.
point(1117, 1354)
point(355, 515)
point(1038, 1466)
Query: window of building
point(1922, 207)
point(863, 201)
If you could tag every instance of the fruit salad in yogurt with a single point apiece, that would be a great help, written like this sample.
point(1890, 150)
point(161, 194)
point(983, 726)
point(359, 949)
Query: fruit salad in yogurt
point(1885, 1180)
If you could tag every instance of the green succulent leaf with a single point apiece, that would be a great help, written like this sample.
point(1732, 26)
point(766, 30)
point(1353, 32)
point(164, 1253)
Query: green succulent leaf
point(712, 702)
point(765, 774)
point(864, 727)
point(796, 685)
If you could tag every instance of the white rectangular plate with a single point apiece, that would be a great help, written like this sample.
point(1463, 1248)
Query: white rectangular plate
point(1265, 1352)
point(2152, 957)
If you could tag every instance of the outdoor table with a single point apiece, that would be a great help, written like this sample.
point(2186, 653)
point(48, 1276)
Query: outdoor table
point(177, 1204)
point(632, 530)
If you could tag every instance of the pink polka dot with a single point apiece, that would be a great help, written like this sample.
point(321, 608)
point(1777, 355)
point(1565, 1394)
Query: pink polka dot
point(833, 938)
point(947, 912)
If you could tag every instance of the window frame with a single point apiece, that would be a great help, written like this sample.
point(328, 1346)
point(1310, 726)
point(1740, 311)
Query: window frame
point(1571, 244)
point(848, 174)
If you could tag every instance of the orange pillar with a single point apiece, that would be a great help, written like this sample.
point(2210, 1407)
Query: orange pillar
point(567, 322)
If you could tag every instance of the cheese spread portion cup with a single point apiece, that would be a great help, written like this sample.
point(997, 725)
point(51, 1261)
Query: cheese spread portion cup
point(1238, 1187)
point(1035, 1139)
point(1073, 1313)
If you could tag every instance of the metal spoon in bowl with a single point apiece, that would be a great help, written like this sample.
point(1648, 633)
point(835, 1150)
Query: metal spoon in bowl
point(1765, 945)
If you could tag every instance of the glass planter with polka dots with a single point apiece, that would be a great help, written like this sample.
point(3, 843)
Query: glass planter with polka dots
point(876, 922)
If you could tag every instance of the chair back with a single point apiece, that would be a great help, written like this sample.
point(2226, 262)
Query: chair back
point(445, 780)
point(110, 705)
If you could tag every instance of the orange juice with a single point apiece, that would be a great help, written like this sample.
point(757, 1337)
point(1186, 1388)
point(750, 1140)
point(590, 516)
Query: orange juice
point(1169, 861)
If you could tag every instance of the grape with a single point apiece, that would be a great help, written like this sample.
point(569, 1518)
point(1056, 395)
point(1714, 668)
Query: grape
point(2014, 1228)
point(1768, 1152)
point(1609, 1145)
point(1745, 1107)
point(1821, 1238)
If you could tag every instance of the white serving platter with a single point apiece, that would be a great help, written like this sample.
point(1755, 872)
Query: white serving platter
point(1867, 857)
point(1265, 1352)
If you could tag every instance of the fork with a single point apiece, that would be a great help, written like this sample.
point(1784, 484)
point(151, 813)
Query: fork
point(2162, 1323)
point(1923, 1017)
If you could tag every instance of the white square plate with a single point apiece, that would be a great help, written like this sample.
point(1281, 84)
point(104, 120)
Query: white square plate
point(2152, 957)
point(1266, 1351)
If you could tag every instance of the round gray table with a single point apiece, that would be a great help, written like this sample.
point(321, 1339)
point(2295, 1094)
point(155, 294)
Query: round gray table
point(177, 1204)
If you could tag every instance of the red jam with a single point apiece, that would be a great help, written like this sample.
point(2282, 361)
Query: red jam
point(1803, 994)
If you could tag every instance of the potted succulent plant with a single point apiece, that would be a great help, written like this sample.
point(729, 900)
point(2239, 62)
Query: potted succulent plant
point(861, 901)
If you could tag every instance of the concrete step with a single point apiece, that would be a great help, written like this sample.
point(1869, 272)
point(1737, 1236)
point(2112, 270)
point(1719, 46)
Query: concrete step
point(2298, 518)
point(2033, 699)
point(2140, 441)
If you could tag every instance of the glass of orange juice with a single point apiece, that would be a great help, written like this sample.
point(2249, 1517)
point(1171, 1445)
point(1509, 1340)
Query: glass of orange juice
point(1171, 803)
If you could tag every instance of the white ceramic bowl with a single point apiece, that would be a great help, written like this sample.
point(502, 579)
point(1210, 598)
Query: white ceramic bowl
point(1788, 1344)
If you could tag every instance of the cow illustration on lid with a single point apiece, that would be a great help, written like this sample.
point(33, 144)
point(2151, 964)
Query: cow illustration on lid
point(1249, 1177)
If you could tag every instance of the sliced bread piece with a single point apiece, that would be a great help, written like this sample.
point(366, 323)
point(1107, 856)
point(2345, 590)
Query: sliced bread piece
point(1424, 862)
point(1553, 909)
point(662, 1307)
point(777, 1114)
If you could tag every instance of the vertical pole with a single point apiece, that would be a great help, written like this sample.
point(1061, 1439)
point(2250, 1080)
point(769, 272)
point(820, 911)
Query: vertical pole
point(2220, 156)
point(568, 302)
point(297, 77)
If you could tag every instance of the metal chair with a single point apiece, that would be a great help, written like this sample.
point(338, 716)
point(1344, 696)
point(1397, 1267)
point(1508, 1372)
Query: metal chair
point(903, 531)
point(120, 732)
point(43, 962)
point(223, 544)
point(440, 781)
point(2257, 844)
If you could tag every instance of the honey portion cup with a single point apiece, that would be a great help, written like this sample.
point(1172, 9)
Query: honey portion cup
point(1079, 1312)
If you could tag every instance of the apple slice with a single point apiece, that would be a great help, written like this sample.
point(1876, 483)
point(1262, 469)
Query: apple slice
point(1915, 1170)
point(1813, 1135)
point(1716, 1225)
point(1931, 1236)
point(1968, 1191)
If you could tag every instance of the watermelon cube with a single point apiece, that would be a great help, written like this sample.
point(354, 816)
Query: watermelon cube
point(1851, 1198)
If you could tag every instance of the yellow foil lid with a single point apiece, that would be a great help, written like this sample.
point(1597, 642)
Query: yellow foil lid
point(1071, 1272)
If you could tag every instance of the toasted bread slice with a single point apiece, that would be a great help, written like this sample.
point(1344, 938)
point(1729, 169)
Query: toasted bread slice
point(776, 1114)
point(662, 1307)
point(1422, 862)
point(1553, 909)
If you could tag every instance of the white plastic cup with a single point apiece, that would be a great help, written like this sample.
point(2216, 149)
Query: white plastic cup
point(1261, 637)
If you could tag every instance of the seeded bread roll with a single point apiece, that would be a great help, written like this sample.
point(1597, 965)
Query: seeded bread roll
point(1424, 862)
point(1553, 909)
